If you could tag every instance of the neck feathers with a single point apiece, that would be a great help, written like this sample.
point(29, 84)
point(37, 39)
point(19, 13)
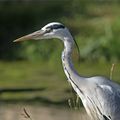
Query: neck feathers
point(66, 59)
point(73, 77)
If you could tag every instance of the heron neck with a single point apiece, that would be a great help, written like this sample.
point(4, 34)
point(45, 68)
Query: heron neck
point(67, 61)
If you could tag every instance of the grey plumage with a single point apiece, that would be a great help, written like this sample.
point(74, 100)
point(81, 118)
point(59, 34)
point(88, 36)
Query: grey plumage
point(100, 96)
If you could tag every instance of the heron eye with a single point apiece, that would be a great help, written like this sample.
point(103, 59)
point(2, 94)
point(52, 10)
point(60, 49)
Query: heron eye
point(48, 30)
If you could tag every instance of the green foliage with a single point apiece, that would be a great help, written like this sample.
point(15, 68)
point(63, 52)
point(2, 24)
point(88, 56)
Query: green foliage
point(18, 19)
point(25, 74)
point(96, 25)
point(105, 46)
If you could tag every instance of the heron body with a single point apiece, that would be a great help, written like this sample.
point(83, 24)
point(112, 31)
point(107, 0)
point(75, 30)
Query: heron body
point(100, 96)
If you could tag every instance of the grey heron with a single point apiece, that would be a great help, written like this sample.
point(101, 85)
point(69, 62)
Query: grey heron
point(100, 96)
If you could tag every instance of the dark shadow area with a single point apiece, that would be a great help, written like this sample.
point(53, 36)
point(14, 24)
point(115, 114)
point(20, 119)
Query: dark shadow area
point(35, 100)
point(13, 90)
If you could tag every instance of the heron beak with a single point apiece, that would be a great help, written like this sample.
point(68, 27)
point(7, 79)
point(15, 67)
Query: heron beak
point(35, 35)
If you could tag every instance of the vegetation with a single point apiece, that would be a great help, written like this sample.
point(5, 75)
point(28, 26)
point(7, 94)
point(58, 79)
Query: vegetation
point(56, 89)
point(95, 25)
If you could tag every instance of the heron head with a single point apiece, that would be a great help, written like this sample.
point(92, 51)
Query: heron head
point(51, 30)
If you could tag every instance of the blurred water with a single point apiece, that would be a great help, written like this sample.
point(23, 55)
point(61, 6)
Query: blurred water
point(16, 112)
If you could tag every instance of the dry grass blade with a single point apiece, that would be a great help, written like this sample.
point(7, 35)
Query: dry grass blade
point(26, 114)
point(111, 70)
point(74, 103)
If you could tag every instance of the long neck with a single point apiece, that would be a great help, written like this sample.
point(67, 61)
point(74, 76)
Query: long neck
point(77, 81)
point(66, 60)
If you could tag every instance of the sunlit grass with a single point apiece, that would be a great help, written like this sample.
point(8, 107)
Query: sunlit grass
point(49, 76)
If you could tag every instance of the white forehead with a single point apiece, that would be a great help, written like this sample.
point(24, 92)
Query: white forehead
point(50, 24)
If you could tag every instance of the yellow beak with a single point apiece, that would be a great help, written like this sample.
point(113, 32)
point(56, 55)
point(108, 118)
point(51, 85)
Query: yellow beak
point(34, 35)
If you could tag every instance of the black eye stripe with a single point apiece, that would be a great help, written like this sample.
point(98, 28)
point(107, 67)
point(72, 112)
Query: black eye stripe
point(55, 27)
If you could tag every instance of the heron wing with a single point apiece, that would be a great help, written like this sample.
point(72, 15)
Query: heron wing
point(101, 98)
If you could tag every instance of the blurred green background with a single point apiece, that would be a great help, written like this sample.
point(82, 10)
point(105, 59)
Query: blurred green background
point(37, 64)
